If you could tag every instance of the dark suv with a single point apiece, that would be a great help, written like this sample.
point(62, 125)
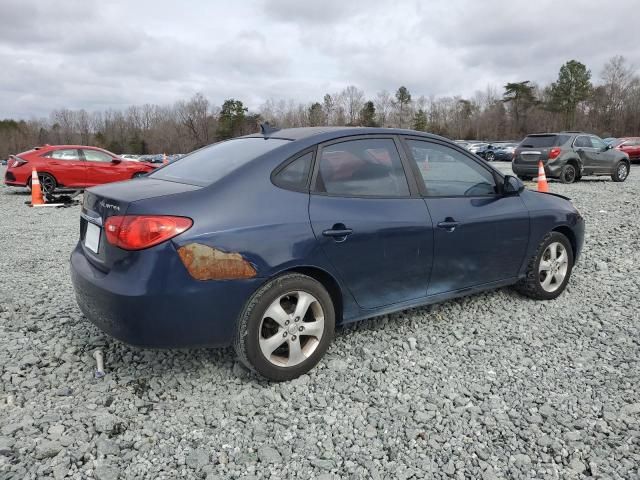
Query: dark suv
point(568, 156)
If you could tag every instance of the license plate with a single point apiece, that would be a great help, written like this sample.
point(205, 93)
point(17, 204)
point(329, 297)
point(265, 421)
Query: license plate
point(92, 237)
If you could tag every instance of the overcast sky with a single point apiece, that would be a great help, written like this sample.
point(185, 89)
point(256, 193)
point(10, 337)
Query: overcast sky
point(110, 54)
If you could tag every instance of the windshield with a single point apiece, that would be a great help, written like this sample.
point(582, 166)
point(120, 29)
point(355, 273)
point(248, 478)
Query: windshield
point(209, 164)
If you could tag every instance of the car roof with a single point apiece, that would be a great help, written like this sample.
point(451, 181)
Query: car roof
point(327, 133)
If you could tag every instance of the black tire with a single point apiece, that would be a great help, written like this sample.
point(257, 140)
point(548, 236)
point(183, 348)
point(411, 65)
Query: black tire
point(569, 173)
point(246, 343)
point(530, 286)
point(138, 174)
point(490, 156)
point(621, 172)
point(48, 183)
point(525, 178)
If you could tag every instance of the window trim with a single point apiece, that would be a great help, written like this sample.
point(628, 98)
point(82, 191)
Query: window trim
point(498, 177)
point(290, 160)
point(408, 173)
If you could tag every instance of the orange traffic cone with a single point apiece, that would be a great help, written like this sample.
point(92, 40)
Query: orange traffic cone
point(164, 159)
point(543, 186)
point(36, 191)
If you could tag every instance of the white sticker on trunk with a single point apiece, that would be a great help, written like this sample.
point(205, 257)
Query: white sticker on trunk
point(92, 237)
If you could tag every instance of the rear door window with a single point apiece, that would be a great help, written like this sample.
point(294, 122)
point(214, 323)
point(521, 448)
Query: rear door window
point(67, 154)
point(362, 168)
point(209, 164)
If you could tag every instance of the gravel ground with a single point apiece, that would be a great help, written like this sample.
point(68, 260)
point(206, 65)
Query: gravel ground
point(490, 386)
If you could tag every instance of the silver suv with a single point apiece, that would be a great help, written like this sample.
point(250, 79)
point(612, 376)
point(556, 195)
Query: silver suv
point(568, 156)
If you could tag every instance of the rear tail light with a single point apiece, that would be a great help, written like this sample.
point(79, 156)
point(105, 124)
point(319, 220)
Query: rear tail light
point(554, 152)
point(17, 162)
point(137, 232)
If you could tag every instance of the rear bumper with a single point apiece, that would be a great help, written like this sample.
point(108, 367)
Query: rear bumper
point(153, 302)
point(531, 169)
point(15, 179)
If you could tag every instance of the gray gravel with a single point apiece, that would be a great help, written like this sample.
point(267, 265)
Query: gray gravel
point(491, 386)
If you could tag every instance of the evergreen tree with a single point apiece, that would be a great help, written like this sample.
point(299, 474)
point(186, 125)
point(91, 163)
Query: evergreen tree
point(231, 119)
point(572, 87)
point(316, 115)
point(420, 121)
point(403, 99)
point(368, 115)
point(521, 97)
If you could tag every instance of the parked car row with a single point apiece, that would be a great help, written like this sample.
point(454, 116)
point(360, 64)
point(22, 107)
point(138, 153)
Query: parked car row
point(490, 151)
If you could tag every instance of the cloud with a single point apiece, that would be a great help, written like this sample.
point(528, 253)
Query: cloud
point(96, 55)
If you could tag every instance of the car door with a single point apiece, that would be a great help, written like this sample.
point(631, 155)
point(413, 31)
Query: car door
point(480, 235)
point(604, 158)
point(370, 221)
point(66, 166)
point(583, 147)
point(631, 147)
point(101, 167)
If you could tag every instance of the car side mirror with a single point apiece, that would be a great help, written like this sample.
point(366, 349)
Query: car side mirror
point(512, 185)
point(115, 160)
point(608, 146)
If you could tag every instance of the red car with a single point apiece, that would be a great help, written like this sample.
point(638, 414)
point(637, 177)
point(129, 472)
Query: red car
point(71, 166)
point(630, 146)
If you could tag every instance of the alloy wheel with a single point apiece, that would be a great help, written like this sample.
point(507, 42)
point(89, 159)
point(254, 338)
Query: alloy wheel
point(291, 328)
point(553, 268)
point(47, 184)
point(622, 171)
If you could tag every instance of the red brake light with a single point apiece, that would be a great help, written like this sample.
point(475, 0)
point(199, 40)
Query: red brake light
point(17, 162)
point(137, 232)
point(554, 152)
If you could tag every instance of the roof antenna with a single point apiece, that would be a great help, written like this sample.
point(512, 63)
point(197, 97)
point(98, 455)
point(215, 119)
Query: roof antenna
point(267, 129)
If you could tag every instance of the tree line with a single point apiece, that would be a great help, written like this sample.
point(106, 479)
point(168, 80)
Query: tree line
point(608, 106)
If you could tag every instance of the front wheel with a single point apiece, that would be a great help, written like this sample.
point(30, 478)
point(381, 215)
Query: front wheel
point(490, 156)
point(549, 270)
point(286, 327)
point(138, 175)
point(621, 172)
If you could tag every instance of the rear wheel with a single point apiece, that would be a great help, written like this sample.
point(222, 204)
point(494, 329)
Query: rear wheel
point(524, 178)
point(621, 172)
point(138, 175)
point(549, 270)
point(286, 327)
point(568, 174)
point(48, 183)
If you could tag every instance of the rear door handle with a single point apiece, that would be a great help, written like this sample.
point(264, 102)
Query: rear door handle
point(337, 232)
point(449, 225)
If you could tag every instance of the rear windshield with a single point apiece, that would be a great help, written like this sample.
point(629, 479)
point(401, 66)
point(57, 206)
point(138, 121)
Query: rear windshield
point(542, 141)
point(209, 164)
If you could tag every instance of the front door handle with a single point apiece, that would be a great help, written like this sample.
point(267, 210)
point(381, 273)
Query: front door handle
point(449, 224)
point(339, 232)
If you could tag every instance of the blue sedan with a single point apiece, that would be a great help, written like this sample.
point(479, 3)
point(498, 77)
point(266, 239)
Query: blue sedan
point(267, 242)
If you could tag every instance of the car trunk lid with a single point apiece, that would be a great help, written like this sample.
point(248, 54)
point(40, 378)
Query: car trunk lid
point(111, 199)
